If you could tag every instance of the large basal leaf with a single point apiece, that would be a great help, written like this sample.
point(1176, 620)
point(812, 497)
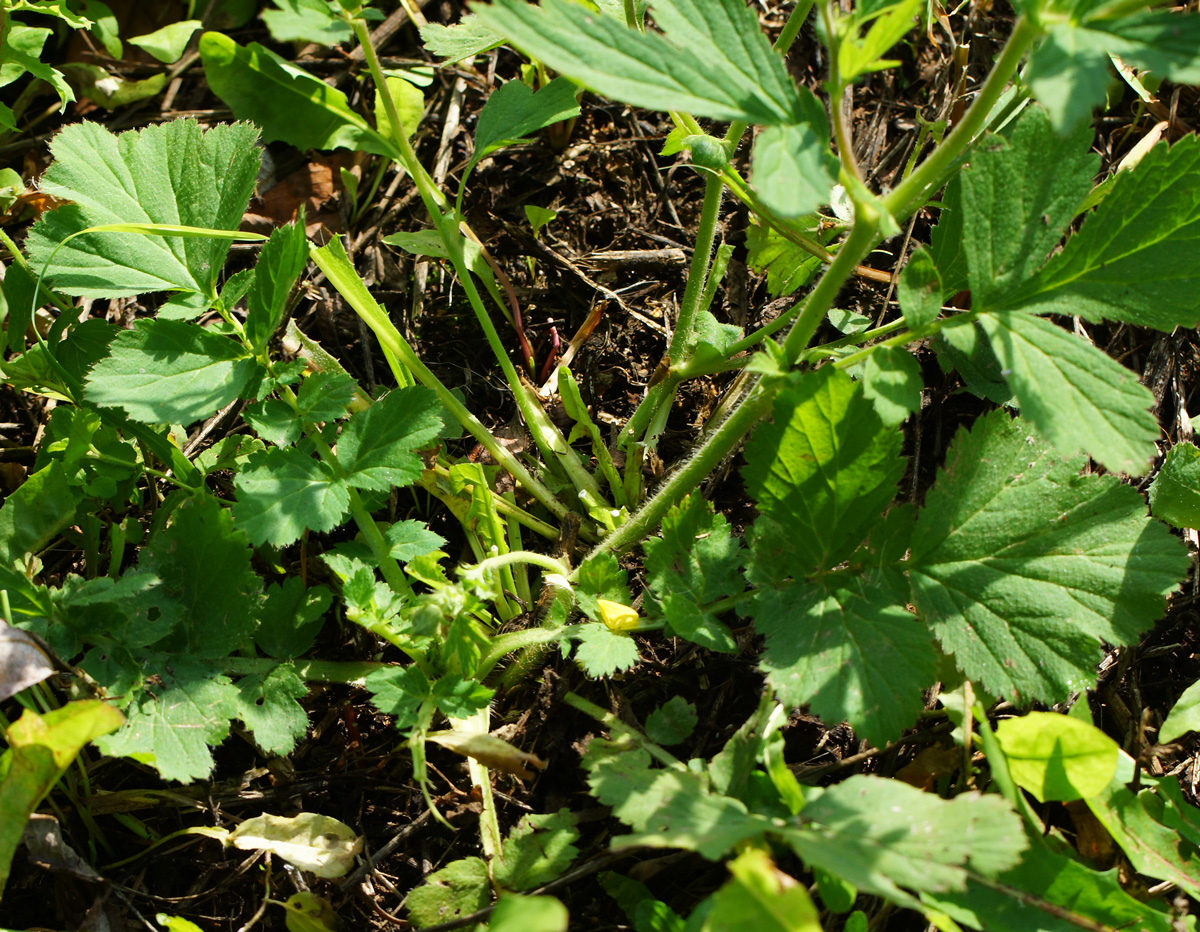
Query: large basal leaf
point(1134, 259)
point(176, 174)
point(1078, 398)
point(851, 656)
point(717, 63)
point(822, 470)
point(883, 835)
point(170, 372)
point(1018, 195)
point(287, 102)
point(1022, 567)
point(172, 722)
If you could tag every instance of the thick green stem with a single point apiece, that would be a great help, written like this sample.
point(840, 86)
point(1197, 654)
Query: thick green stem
point(792, 27)
point(933, 172)
point(529, 557)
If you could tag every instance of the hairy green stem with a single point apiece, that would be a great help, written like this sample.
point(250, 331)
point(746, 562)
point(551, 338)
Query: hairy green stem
point(791, 29)
point(528, 557)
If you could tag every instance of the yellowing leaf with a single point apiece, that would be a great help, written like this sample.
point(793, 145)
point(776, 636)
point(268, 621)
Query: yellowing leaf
point(490, 751)
point(309, 841)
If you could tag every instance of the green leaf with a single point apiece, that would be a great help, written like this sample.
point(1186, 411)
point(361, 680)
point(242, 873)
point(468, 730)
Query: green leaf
point(411, 539)
point(20, 52)
point(601, 578)
point(1021, 566)
point(410, 107)
point(282, 492)
point(458, 889)
point(464, 40)
point(788, 267)
point(946, 242)
point(306, 21)
point(267, 706)
point(761, 898)
point(203, 564)
point(1175, 491)
point(399, 692)
point(175, 174)
point(288, 103)
point(695, 562)
point(823, 469)
point(274, 420)
point(40, 749)
point(672, 722)
point(889, 23)
point(1132, 259)
point(1019, 193)
point(108, 90)
point(537, 850)
point(290, 617)
point(793, 169)
point(1184, 717)
point(1152, 848)
point(1070, 889)
point(36, 512)
point(528, 914)
point(172, 723)
point(1078, 398)
point(1069, 70)
point(920, 289)
point(279, 265)
point(881, 835)
point(851, 656)
point(459, 697)
point(715, 61)
point(602, 652)
point(377, 448)
point(168, 44)
point(513, 110)
point(170, 372)
point(645, 912)
point(1057, 757)
point(892, 380)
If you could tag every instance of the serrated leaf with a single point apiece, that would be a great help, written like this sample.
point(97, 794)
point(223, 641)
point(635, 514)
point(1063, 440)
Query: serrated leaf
point(172, 725)
point(788, 267)
point(793, 169)
point(892, 381)
point(274, 420)
point(411, 539)
point(920, 289)
point(203, 564)
point(288, 103)
point(459, 697)
point(281, 492)
point(1070, 891)
point(282, 259)
point(601, 578)
point(672, 722)
point(399, 692)
point(290, 617)
point(1057, 757)
point(21, 52)
point(466, 39)
point(513, 110)
point(377, 448)
point(946, 241)
point(695, 562)
point(715, 62)
point(860, 658)
point(537, 850)
point(1078, 398)
point(267, 706)
point(170, 372)
point(881, 835)
point(1175, 491)
point(1018, 195)
point(603, 652)
point(1184, 716)
point(174, 174)
point(1021, 566)
point(306, 21)
point(1131, 261)
point(888, 25)
point(824, 468)
point(458, 889)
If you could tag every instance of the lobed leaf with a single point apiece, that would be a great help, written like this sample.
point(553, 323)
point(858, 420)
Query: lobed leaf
point(1175, 491)
point(1021, 566)
point(377, 447)
point(281, 492)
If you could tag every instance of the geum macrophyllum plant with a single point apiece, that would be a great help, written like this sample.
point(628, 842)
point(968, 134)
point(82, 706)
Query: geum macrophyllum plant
point(1004, 583)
